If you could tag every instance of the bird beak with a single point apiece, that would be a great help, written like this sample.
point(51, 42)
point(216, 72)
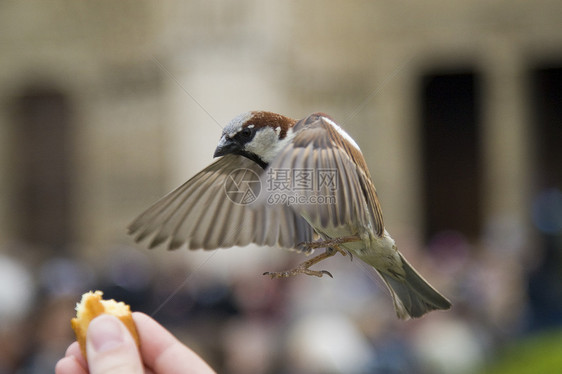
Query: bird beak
point(225, 146)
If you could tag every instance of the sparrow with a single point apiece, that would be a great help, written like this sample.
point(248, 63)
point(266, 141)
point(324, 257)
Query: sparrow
point(328, 201)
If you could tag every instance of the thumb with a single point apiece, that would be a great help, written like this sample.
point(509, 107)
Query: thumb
point(111, 348)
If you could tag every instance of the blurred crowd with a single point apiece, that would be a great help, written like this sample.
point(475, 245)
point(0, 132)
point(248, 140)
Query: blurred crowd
point(243, 322)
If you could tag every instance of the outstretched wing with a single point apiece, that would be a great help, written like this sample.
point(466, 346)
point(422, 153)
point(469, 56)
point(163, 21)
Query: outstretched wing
point(211, 210)
point(341, 192)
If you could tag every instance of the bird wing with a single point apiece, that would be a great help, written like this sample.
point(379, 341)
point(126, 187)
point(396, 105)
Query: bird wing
point(340, 191)
point(211, 211)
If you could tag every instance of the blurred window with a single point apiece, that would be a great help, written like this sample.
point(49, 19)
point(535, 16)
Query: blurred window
point(42, 156)
point(546, 114)
point(450, 136)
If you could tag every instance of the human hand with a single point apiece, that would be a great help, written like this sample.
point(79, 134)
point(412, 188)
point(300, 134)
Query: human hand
point(111, 349)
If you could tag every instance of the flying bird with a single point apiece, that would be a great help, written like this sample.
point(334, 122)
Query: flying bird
point(300, 185)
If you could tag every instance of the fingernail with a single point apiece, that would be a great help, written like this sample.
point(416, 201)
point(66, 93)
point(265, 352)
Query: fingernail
point(105, 333)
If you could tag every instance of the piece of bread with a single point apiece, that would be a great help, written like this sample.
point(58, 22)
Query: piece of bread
point(91, 306)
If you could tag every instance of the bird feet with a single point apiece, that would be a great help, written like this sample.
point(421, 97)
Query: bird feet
point(304, 267)
point(298, 270)
point(332, 247)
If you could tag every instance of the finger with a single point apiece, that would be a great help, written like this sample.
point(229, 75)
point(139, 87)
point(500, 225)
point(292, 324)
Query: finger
point(69, 365)
point(162, 352)
point(73, 350)
point(111, 348)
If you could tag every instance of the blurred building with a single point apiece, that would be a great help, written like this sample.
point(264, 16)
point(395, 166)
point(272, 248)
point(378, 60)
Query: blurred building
point(106, 106)
point(457, 106)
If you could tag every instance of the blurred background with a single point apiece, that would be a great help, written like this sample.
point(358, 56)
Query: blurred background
point(106, 106)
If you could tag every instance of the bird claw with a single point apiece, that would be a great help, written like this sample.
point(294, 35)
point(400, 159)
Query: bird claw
point(304, 268)
point(332, 247)
point(296, 271)
point(322, 272)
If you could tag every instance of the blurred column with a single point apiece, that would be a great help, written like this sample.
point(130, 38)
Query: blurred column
point(507, 164)
point(395, 149)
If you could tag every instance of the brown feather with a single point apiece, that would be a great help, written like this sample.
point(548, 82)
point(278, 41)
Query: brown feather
point(273, 120)
point(333, 151)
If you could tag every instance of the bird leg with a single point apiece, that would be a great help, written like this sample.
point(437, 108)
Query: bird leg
point(332, 247)
point(331, 243)
point(304, 267)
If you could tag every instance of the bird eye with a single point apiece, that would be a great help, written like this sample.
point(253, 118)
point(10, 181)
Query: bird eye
point(246, 133)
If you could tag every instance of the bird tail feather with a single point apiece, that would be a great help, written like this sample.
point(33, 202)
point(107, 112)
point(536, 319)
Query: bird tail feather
point(413, 296)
